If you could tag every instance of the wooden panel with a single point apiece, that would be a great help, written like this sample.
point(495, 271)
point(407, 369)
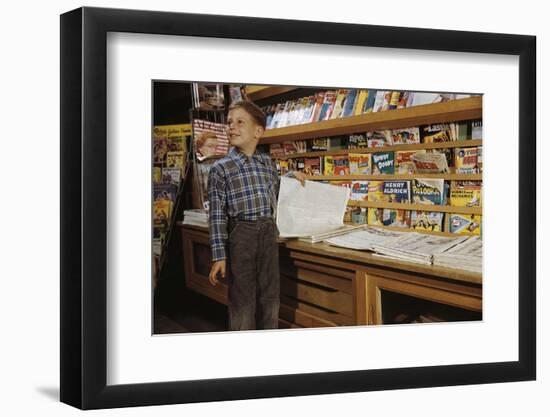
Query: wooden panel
point(455, 110)
point(432, 294)
point(343, 258)
point(411, 147)
point(258, 92)
point(295, 263)
point(336, 301)
point(302, 318)
point(423, 207)
point(331, 316)
point(319, 278)
point(360, 305)
point(283, 324)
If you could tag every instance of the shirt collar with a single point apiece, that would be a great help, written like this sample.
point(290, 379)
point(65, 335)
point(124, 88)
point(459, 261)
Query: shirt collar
point(241, 158)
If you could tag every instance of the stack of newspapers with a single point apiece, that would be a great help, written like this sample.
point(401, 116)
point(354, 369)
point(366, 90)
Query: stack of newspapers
point(323, 236)
point(364, 239)
point(196, 217)
point(466, 255)
point(416, 247)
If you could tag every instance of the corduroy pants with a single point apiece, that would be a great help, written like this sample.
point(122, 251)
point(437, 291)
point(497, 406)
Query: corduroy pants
point(254, 281)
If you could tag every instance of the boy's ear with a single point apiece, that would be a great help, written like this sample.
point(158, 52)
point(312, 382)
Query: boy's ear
point(259, 131)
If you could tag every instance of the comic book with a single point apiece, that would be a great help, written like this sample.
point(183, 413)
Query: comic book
point(359, 163)
point(359, 190)
point(465, 224)
point(379, 100)
point(175, 159)
point(379, 138)
point(328, 105)
point(349, 103)
point(408, 136)
point(210, 139)
point(328, 165)
point(375, 216)
point(359, 215)
point(397, 191)
point(339, 103)
point(320, 144)
point(477, 129)
point(157, 175)
point(465, 193)
point(360, 100)
point(383, 163)
point(171, 175)
point(375, 191)
point(404, 163)
point(341, 164)
point(208, 96)
point(466, 160)
point(427, 220)
point(429, 191)
point(312, 166)
point(441, 132)
point(396, 218)
point(394, 100)
point(357, 140)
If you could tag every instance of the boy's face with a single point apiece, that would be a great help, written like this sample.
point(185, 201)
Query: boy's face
point(244, 133)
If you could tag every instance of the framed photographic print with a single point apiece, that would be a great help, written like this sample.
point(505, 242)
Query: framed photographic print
point(364, 176)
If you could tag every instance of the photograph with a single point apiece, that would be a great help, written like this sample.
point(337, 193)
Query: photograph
point(292, 207)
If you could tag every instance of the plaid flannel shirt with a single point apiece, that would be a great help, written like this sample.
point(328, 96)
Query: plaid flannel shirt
point(239, 186)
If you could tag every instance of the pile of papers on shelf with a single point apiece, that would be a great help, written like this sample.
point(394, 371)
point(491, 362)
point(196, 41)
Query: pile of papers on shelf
point(323, 236)
point(417, 247)
point(196, 217)
point(466, 255)
point(365, 238)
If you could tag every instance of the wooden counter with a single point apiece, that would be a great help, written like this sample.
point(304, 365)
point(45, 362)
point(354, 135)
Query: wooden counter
point(322, 285)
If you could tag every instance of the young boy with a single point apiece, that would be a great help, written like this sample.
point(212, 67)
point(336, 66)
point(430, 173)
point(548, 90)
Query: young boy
point(242, 194)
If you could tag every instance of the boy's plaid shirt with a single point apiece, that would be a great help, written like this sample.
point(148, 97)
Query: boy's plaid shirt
point(239, 186)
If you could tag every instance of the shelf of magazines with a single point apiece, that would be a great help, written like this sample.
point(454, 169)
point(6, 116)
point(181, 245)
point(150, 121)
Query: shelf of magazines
point(445, 112)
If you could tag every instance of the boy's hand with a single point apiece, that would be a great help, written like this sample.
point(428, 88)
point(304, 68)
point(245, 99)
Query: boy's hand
point(217, 267)
point(300, 176)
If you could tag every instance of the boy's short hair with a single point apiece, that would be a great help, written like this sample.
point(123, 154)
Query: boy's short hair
point(252, 109)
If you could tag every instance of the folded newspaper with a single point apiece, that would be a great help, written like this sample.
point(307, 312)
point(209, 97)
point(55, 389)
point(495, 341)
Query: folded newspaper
point(364, 239)
point(311, 209)
point(427, 163)
point(466, 255)
point(417, 247)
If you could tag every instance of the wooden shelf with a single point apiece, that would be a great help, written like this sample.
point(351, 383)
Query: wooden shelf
point(417, 146)
point(451, 111)
point(259, 92)
point(420, 207)
point(390, 177)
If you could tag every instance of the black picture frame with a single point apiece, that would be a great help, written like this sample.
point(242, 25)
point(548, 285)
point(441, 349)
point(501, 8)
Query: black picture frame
point(84, 207)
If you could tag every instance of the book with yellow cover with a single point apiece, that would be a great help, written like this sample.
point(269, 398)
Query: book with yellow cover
point(465, 193)
point(359, 163)
point(375, 216)
point(375, 191)
point(465, 224)
point(328, 166)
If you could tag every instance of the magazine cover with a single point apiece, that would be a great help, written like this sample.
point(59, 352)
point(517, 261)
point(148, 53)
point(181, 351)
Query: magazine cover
point(383, 163)
point(404, 163)
point(396, 218)
point(375, 216)
point(465, 193)
point(428, 191)
point(375, 191)
point(359, 215)
point(466, 160)
point(441, 132)
point(409, 136)
point(357, 140)
point(208, 96)
point(341, 164)
point(210, 139)
point(359, 163)
point(312, 166)
point(379, 138)
point(359, 190)
point(397, 191)
point(465, 224)
point(427, 220)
